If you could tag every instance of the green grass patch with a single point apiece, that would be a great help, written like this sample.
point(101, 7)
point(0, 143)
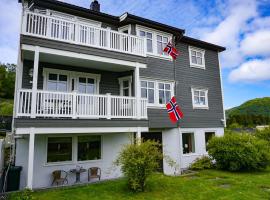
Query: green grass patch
point(208, 184)
point(6, 107)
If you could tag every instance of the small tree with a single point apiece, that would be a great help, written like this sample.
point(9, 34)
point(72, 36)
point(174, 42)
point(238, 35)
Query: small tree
point(138, 162)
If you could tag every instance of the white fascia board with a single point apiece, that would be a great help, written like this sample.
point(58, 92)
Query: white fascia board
point(84, 56)
point(63, 130)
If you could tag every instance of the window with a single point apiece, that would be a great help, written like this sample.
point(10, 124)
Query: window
point(148, 91)
point(158, 93)
point(161, 44)
point(149, 40)
point(188, 143)
point(208, 136)
point(57, 82)
point(164, 92)
point(125, 86)
point(86, 85)
point(200, 98)
point(59, 149)
point(89, 148)
point(196, 57)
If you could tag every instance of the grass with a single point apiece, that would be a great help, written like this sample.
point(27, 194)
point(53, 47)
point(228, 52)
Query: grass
point(6, 107)
point(207, 184)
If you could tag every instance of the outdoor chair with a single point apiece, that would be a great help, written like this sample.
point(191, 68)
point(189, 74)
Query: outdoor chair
point(59, 177)
point(94, 172)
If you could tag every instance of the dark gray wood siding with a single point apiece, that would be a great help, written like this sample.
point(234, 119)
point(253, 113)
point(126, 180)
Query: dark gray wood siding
point(186, 77)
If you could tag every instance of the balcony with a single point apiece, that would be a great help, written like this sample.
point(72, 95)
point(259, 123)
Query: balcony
point(75, 105)
point(81, 33)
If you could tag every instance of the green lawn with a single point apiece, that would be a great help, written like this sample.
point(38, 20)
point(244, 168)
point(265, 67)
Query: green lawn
point(208, 184)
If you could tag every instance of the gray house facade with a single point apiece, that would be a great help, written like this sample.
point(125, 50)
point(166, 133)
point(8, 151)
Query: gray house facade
point(88, 82)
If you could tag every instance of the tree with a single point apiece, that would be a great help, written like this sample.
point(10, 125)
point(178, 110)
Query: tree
point(7, 80)
point(138, 162)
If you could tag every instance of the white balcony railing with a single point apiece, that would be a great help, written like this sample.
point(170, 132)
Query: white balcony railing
point(82, 33)
point(75, 105)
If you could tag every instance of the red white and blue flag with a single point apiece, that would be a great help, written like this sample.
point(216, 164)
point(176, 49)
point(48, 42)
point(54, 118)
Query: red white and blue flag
point(174, 110)
point(169, 49)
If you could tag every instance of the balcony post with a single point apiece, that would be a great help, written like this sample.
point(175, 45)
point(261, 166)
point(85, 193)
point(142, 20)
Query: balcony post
point(137, 88)
point(138, 136)
point(31, 150)
point(109, 107)
point(74, 104)
point(34, 83)
point(145, 46)
point(108, 38)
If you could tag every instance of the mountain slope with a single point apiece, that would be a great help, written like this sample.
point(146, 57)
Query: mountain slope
point(258, 106)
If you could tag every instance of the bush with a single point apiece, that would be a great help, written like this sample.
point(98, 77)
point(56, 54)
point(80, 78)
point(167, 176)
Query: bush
point(202, 163)
point(236, 152)
point(26, 194)
point(264, 135)
point(138, 162)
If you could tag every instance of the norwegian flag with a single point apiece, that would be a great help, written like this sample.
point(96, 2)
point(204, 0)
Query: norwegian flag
point(169, 49)
point(174, 110)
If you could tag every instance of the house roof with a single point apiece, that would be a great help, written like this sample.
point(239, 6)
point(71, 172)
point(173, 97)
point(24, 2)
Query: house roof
point(122, 20)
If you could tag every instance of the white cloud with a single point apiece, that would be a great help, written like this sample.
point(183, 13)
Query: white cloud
point(257, 43)
point(251, 71)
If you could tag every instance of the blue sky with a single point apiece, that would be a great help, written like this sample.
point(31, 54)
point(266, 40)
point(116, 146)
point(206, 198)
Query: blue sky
point(242, 26)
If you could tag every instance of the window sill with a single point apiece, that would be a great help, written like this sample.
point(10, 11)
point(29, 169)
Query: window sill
point(162, 106)
point(164, 57)
point(89, 161)
point(59, 163)
point(200, 108)
point(197, 66)
point(191, 154)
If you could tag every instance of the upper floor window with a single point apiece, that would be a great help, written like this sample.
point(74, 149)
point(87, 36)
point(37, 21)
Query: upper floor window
point(162, 41)
point(157, 92)
point(149, 40)
point(196, 57)
point(86, 85)
point(125, 85)
point(199, 98)
point(57, 82)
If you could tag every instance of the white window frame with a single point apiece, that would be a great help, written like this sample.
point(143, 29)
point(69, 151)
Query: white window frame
point(70, 75)
point(197, 50)
point(121, 83)
point(194, 138)
point(196, 106)
point(125, 28)
point(154, 41)
point(156, 103)
point(74, 151)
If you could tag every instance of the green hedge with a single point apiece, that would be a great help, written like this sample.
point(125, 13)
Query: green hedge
point(237, 152)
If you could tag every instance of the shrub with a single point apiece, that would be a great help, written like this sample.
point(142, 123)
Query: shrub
point(202, 163)
point(264, 135)
point(138, 162)
point(236, 152)
point(26, 194)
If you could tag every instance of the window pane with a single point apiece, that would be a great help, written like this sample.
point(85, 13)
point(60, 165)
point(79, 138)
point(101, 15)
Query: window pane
point(167, 86)
point(151, 96)
point(149, 46)
point(197, 100)
point(53, 77)
point(159, 48)
point(59, 149)
point(159, 38)
point(62, 78)
point(126, 84)
point(82, 80)
point(151, 84)
point(52, 85)
point(90, 80)
point(90, 89)
point(193, 53)
point(202, 93)
point(144, 93)
point(161, 97)
point(199, 60)
point(149, 35)
point(143, 84)
point(62, 86)
point(194, 59)
point(188, 143)
point(82, 88)
point(165, 40)
point(161, 86)
point(142, 33)
point(89, 148)
point(168, 96)
point(199, 54)
point(196, 93)
point(202, 100)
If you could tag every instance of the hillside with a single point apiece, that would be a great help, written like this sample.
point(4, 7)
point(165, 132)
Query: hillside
point(258, 106)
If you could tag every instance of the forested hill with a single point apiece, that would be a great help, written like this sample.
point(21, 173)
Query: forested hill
point(251, 113)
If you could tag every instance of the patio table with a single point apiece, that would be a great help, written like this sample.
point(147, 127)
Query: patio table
point(78, 173)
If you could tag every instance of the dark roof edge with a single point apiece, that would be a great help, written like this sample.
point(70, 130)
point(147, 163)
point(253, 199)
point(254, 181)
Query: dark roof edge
point(127, 17)
point(202, 44)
